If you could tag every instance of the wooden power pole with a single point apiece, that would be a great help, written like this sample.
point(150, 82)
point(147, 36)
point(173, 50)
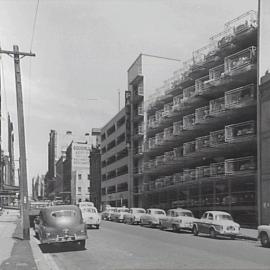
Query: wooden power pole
point(17, 55)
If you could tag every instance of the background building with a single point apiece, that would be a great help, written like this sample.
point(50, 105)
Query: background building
point(114, 162)
point(76, 178)
point(200, 147)
point(264, 150)
point(95, 176)
point(38, 188)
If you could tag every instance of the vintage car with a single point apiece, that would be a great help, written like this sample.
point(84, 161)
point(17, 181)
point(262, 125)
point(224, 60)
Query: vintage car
point(177, 219)
point(134, 215)
point(106, 215)
point(152, 216)
point(118, 214)
point(90, 216)
point(61, 224)
point(216, 223)
point(264, 235)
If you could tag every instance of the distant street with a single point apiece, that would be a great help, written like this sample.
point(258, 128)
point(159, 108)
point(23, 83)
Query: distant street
point(121, 246)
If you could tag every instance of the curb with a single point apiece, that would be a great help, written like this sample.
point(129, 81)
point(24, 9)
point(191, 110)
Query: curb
point(43, 261)
point(245, 237)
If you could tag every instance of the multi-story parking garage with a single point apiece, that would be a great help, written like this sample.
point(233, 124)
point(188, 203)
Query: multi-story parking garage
point(200, 140)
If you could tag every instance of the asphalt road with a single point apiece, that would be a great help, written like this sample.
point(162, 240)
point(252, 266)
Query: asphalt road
point(121, 246)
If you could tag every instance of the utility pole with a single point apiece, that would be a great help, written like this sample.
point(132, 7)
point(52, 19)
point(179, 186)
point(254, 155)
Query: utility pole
point(16, 54)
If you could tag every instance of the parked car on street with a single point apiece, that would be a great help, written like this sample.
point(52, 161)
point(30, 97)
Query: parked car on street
point(106, 215)
point(152, 217)
point(90, 216)
point(216, 223)
point(1, 210)
point(61, 224)
point(264, 235)
point(118, 214)
point(177, 219)
point(134, 215)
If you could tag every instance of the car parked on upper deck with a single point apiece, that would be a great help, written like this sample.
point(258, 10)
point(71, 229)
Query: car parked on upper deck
point(134, 215)
point(264, 235)
point(61, 224)
point(152, 217)
point(216, 223)
point(118, 214)
point(177, 219)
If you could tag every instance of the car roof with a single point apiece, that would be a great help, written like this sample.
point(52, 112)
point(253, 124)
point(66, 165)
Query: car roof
point(218, 212)
point(155, 209)
point(137, 208)
point(59, 208)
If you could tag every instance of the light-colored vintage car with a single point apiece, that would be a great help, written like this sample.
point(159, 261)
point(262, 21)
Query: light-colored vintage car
point(106, 215)
point(152, 216)
point(177, 219)
point(118, 214)
point(90, 216)
point(61, 224)
point(134, 215)
point(216, 223)
point(264, 235)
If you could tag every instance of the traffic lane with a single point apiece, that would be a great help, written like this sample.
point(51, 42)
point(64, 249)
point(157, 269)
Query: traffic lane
point(120, 246)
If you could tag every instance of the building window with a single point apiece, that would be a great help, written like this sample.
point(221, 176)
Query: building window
point(79, 176)
point(79, 189)
point(88, 189)
point(88, 177)
point(103, 191)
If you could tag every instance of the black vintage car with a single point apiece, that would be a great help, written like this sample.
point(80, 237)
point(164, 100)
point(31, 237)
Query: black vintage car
point(61, 224)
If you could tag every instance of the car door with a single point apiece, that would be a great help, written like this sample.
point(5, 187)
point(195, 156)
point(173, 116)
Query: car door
point(209, 222)
point(170, 219)
point(202, 223)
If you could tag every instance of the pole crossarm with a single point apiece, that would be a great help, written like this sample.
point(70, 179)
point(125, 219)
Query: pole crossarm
point(17, 53)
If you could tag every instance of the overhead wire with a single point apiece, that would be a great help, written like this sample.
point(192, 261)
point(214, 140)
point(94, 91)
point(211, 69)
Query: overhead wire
point(30, 62)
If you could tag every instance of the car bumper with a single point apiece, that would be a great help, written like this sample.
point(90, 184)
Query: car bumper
point(63, 239)
point(92, 222)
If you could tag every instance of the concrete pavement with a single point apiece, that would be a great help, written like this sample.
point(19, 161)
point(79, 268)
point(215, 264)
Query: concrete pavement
point(139, 248)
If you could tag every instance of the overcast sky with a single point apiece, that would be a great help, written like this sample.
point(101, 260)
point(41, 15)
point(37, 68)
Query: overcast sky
point(83, 50)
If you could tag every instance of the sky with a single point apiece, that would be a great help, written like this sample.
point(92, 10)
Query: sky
point(83, 51)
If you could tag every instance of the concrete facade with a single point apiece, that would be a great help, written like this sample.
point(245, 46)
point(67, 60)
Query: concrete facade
point(114, 162)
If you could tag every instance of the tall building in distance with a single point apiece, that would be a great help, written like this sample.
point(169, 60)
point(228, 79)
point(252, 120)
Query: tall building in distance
point(115, 162)
point(52, 158)
point(76, 168)
point(200, 142)
point(38, 188)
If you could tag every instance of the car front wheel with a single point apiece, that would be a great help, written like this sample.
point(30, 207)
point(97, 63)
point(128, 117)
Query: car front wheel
point(265, 240)
point(97, 226)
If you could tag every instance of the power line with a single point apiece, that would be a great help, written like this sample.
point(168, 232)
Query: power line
point(34, 25)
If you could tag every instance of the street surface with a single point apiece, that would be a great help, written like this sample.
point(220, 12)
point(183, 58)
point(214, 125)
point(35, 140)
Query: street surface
point(121, 246)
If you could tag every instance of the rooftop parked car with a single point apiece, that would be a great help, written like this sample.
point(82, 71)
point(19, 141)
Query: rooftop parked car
point(177, 219)
point(134, 215)
point(216, 223)
point(61, 224)
point(264, 235)
point(152, 216)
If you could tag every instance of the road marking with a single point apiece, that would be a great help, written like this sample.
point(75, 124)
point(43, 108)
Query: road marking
point(44, 261)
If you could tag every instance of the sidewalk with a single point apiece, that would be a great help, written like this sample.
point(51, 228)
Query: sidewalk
point(14, 253)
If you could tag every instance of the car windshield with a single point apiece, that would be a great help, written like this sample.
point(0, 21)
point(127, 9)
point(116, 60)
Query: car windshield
point(139, 211)
point(89, 210)
point(159, 212)
point(223, 217)
point(184, 214)
point(64, 213)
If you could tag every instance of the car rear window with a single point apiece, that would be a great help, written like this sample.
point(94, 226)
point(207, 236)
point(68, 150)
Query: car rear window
point(184, 214)
point(159, 212)
point(139, 211)
point(64, 213)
